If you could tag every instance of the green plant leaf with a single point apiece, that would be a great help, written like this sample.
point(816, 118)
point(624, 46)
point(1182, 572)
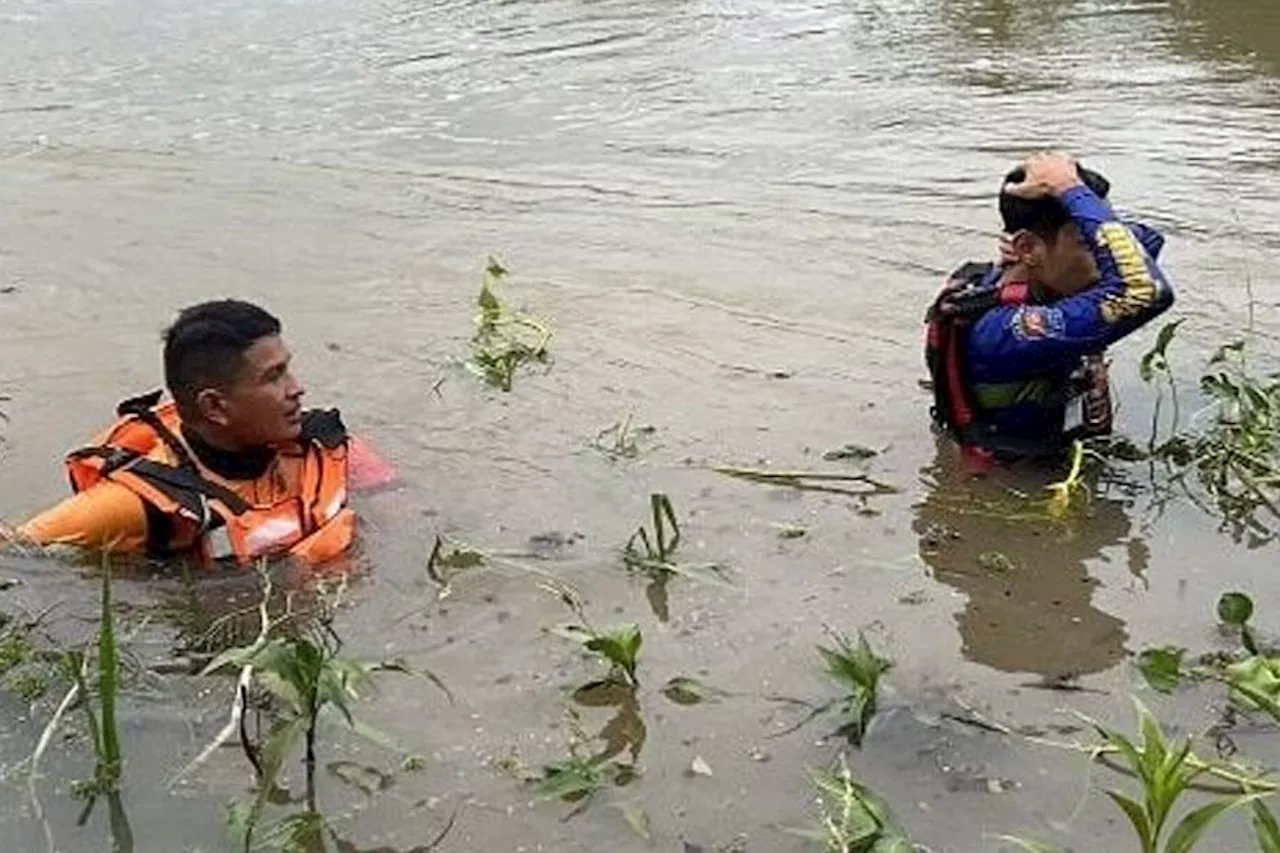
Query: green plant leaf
point(690, 691)
point(280, 744)
point(1155, 747)
point(109, 760)
point(1193, 825)
point(1162, 667)
point(708, 573)
point(1254, 684)
point(575, 633)
point(369, 732)
point(1264, 825)
point(402, 667)
point(638, 819)
point(569, 780)
point(495, 268)
point(1029, 845)
point(809, 834)
point(488, 302)
point(1221, 354)
point(620, 645)
point(850, 453)
point(297, 833)
point(1248, 640)
point(1137, 816)
point(1165, 337)
point(1235, 608)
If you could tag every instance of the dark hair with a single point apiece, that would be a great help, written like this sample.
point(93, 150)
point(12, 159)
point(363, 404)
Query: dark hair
point(1043, 217)
point(204, 348)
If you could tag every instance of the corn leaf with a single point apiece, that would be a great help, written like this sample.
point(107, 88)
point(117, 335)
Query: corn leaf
point(1264, 824)
point(1188, 831)
point(1137, 816)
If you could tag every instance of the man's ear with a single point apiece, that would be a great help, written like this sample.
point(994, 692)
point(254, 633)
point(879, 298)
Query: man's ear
point(1027, 247)
point(212, 406)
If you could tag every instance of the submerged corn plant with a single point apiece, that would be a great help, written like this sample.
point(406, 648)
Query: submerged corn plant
point(103, 731)
point(308, 680)
point(623, 440)
point(505, 338)
point(651, 552)
point(94, 675)
point(1072, 492)
point(851, 818)
point(1166, 770)
point(579, 776)
point(643, 549)
point(618, 646)
point(856, 669)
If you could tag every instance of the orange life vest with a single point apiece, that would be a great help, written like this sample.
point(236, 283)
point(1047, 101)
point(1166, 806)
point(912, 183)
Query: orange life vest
point(304, 513)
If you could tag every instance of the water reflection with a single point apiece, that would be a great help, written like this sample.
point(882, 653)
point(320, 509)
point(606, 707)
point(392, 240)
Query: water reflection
point(1029, 591)
point(1002, 23)
point(625, 731)
point(1228, 30)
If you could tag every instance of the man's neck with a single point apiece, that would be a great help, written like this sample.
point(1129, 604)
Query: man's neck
point(226, 458)
point(1017, 274)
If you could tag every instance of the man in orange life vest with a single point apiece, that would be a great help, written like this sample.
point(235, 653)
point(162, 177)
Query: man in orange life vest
point(1015, 351)
point(232, 467)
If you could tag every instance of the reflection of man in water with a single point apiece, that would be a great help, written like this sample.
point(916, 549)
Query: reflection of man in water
point(1030, 596)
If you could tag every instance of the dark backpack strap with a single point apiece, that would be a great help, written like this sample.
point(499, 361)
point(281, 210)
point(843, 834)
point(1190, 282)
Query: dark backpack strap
point(143, 408)
point(324, 427)
point(139, 405)
point(186, 487)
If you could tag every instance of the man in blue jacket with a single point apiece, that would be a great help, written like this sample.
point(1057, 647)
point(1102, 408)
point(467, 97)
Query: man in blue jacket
point(1016, 351)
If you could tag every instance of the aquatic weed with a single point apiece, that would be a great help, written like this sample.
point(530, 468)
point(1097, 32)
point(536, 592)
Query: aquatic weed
point(1253, 680)
point(1232, 446)
point(1154, 369)
point(812, 481)
point(505, 338)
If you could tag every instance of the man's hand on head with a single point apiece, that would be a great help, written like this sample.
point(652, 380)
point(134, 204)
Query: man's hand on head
point(1050, 173)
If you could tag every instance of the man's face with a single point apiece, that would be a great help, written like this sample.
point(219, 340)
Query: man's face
point(1066, 265)
point(264, 404)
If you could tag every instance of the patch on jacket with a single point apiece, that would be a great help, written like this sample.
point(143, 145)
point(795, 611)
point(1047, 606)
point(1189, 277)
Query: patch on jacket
point(1035, 322)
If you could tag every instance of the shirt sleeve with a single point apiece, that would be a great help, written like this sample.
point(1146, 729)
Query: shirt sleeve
point(106, 516)
point(1014, 342)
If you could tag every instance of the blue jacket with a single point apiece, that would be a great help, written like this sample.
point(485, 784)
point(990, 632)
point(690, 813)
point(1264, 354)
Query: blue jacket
point(1020, 358)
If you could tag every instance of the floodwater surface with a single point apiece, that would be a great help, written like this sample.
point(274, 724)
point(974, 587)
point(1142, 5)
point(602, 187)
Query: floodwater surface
point(732, 213)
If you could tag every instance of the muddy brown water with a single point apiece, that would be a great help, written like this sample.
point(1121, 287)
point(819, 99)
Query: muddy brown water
point(732, 212)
